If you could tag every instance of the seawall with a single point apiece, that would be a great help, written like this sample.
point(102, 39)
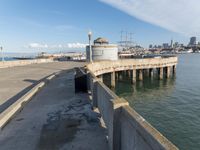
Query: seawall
point(6, 64)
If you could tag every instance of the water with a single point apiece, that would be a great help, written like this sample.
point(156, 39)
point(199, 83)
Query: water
point(7, 59)
point(172, 106)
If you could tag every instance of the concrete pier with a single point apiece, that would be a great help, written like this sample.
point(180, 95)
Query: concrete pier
point(56, 118)
point(143, 67)
point(134, 76)
point(17, 81)
point(140, 74)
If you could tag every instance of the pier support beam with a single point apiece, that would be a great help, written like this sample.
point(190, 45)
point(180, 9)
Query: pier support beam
point(174, 69)
point(151, 73)
point(129, 73)
point(134, 76)
point(161, 73)
point(168, 71)
point(120, 75)
point(117, 75)
point(147, 72)
point(140, 74)
point(113, 79)
point(100, 77)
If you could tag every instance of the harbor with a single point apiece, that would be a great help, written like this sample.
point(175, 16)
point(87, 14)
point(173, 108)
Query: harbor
point(99, 75)
point(102, 101)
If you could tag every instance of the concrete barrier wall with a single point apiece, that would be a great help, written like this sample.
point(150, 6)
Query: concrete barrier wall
point(6, 64)
point(127, 130)
point(137, 133)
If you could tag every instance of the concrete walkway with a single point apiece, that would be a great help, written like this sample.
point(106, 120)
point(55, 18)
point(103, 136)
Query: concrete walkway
point(16, 81)
point(56, 118)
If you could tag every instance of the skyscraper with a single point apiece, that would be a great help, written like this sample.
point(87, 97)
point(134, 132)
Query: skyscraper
point(172, 43)
point(193, 41)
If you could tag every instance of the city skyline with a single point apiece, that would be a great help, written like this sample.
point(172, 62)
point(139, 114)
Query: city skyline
point(32, 26)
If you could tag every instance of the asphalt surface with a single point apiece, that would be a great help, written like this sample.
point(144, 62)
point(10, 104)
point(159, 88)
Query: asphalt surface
point(16, 81)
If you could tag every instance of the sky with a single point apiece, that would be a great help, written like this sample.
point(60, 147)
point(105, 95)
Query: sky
point(62, 25)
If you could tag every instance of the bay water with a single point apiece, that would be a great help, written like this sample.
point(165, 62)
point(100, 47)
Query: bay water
point(172, 105)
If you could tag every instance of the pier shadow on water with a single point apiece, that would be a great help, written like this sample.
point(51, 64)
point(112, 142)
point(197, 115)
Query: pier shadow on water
point(124, 85)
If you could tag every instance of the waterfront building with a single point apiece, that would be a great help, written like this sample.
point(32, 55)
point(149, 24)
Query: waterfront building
point(102, 50)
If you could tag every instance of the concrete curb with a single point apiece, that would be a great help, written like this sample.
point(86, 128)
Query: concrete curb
point(10, 112)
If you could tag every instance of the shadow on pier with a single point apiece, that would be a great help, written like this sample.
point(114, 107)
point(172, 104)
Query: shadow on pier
point(16, 97)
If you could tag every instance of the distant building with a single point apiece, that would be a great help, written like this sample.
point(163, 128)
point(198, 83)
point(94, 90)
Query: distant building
point(193, 42)
point(102, 50)
point(159, 46)
point(172, 44)
point(150, 46)
point(165, 45)
point(176, 44)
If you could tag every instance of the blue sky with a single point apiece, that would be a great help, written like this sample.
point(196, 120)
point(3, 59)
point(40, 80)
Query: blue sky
point(49, 25)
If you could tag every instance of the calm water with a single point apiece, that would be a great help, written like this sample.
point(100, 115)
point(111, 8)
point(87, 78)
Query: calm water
point(7, 59)
point(172, 105)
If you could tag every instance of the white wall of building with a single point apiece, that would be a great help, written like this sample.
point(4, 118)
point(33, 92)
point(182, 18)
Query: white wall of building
point(103, 52)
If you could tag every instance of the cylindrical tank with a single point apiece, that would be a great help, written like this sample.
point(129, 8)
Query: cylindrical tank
point(102, 50)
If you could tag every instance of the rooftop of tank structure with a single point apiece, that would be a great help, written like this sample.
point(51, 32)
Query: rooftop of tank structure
point(101, 41)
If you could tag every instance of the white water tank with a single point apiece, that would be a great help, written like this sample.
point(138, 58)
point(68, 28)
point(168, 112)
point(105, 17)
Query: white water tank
point(102, 50)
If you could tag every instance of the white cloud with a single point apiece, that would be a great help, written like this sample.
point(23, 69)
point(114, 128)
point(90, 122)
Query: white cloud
point(37, 45)
point(57, 46)
point(181, 16)
point(76, 45)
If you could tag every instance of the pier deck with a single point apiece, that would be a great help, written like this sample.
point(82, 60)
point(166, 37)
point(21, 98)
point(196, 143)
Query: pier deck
point(56, 118)
point(16, 81)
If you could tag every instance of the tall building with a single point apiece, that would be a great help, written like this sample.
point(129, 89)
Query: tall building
point(172, 43)
point(193, 41)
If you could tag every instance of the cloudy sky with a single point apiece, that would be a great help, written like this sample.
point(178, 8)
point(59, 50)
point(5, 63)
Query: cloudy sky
point(62, 25)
